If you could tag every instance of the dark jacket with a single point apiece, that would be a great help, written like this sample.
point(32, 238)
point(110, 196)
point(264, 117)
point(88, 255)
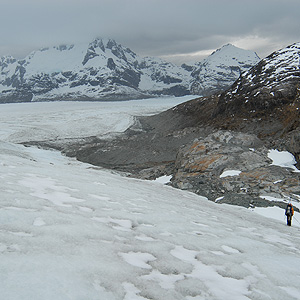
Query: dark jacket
point(289, 211)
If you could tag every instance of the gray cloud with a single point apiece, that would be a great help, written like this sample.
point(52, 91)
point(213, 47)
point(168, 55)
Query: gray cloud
point(168, 28)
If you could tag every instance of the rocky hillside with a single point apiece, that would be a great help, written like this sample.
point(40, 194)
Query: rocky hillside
point(264, 101)
point(258, 113)
point(104, 69)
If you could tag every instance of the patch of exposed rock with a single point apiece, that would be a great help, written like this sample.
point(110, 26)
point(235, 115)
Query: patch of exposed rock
point(233, 167)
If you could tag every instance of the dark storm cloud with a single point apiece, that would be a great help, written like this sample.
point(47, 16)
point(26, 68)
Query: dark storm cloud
point(168, 28)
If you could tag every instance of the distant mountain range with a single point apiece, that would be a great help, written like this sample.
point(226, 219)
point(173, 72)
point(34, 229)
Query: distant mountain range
point(105, 70)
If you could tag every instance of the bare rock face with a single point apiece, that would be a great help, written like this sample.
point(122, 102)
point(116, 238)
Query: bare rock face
point(261, 111)
point(234, 168)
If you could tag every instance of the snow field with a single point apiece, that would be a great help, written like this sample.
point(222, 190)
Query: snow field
point(70, 230)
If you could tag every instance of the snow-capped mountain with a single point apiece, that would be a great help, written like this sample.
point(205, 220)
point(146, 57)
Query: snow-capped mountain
point(221, 69)
point(99, 70)
point(104, 69)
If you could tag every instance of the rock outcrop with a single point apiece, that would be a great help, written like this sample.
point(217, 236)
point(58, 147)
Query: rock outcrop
point(234, 168)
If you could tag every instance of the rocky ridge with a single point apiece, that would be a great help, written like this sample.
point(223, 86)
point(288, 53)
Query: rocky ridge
point(106, 70)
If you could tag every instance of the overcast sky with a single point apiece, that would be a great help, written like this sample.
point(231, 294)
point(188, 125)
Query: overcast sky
point(177, 30)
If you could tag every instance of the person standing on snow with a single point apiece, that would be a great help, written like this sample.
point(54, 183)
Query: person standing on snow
point(289, 212)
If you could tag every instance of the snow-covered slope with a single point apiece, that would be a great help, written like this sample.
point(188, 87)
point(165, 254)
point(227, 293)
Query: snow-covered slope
point(267, 92)
point(221, 69)
point(104, 69)
point(276, 76)
point(69, 230)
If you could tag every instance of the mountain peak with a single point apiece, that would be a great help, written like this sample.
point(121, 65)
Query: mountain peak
point(226, 47)
point(226, 64)
point(233, 52)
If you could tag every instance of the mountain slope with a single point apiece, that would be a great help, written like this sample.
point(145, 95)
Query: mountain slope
point(105, 69)
point(268, 93)
point(270, 85)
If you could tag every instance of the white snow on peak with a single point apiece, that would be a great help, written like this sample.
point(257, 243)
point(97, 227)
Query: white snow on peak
point(71, 57)
point(104, 69)
point(231, 55)
point(52, 60)
point(222, 67)
point(278, 67)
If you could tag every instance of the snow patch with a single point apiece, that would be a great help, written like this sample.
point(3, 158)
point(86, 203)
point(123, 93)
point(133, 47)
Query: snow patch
point(230, 173)
point(138, 259)
point(283, 159)
point(164, 179)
